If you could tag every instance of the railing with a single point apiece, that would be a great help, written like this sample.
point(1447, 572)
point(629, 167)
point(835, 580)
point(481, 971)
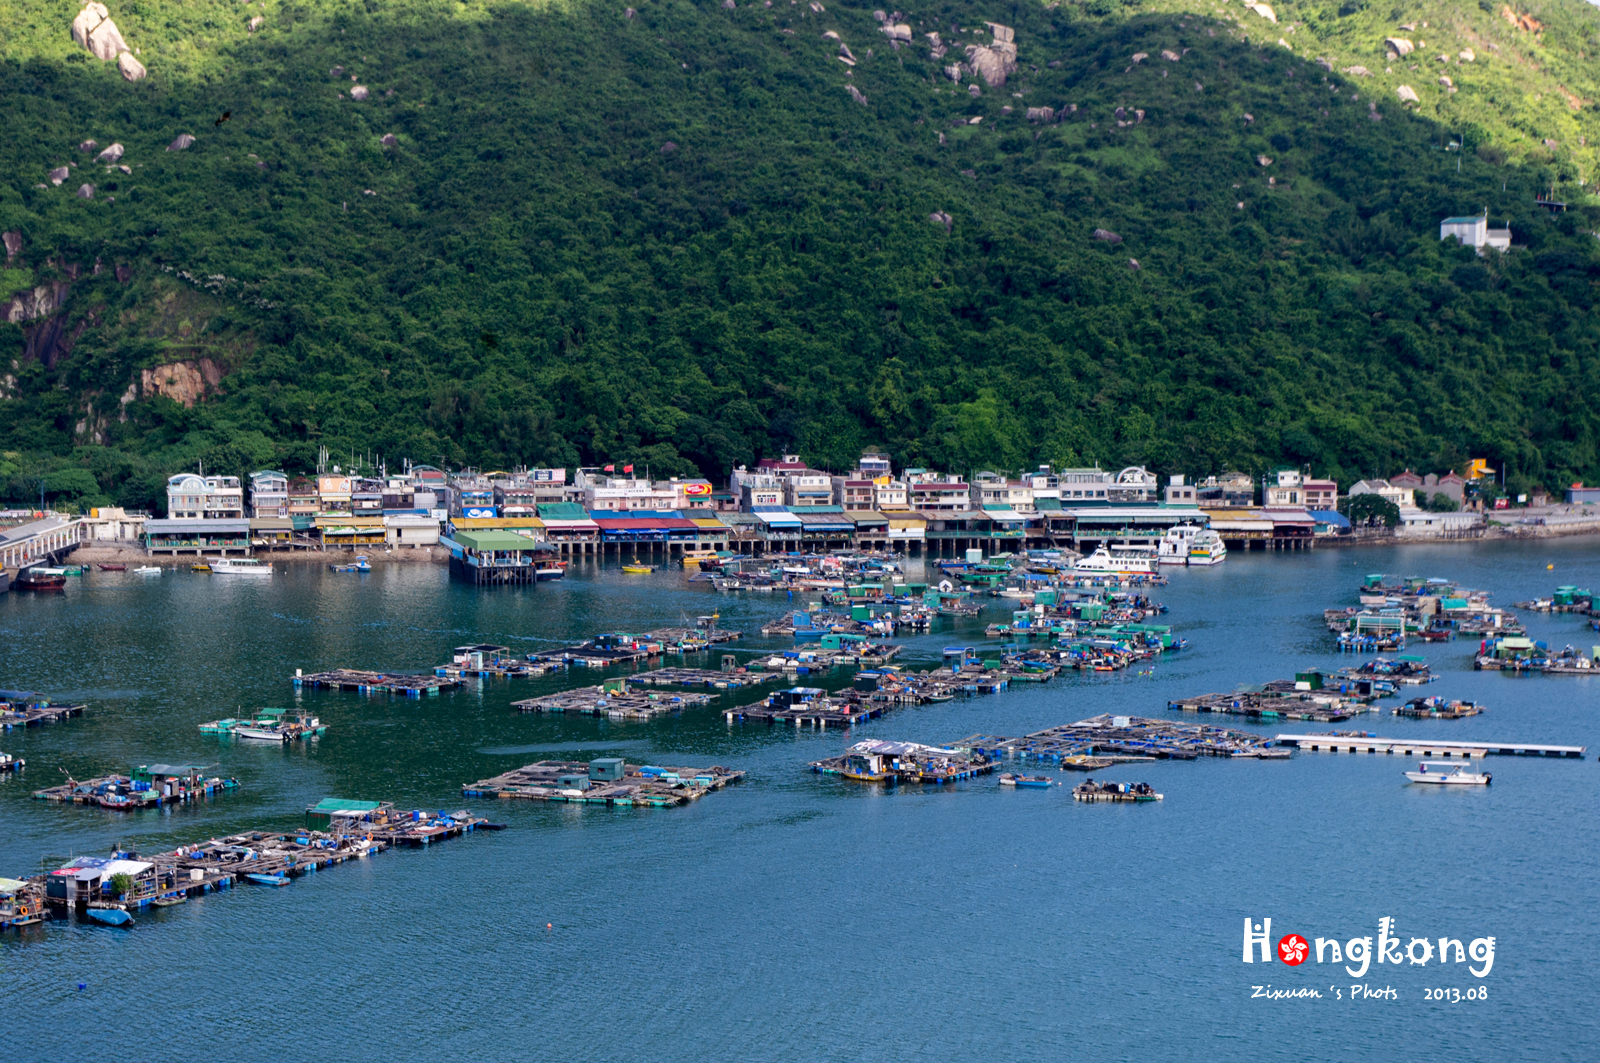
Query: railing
point(23, 552)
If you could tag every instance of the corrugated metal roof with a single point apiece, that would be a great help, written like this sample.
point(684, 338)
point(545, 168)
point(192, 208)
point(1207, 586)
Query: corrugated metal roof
point(168, 527)
point(494, 540)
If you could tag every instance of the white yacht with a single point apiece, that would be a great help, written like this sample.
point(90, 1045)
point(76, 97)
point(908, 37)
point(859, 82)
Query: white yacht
point(1117, 559)
point(1174, 546)
point(240, 566)
point(1447, 774)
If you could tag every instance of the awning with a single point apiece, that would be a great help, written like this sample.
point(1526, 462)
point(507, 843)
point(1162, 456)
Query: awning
point(1328, 516)
point(196, 527)
point(777, 518)
point(495, 540)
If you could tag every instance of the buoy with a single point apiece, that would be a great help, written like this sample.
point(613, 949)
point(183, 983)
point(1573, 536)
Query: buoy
point(1549, 567)
point(549, 926)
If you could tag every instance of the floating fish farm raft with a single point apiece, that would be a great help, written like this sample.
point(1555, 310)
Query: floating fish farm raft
point(1132, 793)
point(485, 661)
point(702, 677)
point(21, 709)
point(607, 781)
point(337, 830)
point(1274, 705)
point(1132, 735)
point(407, 685)
point(149, 786)
point(621, 647)
point(615, 700)
point(1360, 742)
point(876, 760)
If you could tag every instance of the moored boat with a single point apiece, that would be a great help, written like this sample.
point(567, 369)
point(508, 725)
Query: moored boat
point(112, 566)
point(1207, 549)
point(109, 916)
point(148, 570)
point(1120, 560)
point(1027, 782)
point(1447, 774)
point(240, 566)
point(38, 578)
point(267, 880)
point(200, 566)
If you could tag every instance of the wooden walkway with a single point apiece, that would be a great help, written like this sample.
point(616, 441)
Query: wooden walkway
point(614, 703)
point(19, 709)
point(1424, 747)
point(1131, 735)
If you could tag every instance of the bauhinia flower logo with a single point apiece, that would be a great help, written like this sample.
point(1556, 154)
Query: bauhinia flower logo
point(1293, 950)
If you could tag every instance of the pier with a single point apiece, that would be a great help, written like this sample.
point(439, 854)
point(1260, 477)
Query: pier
point(606, 781)
point(407, 685)
point(1423, 747)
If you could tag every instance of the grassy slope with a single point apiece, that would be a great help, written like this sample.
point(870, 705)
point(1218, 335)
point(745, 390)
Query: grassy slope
point(533, 279)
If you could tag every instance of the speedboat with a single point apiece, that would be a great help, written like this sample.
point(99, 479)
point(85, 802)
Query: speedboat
point(1446, 774)
point(638, 569)
point(240, 566)
point(199, 566)
point(262, 734)
point(267, 880)
point(148, 570)
point(112, 566)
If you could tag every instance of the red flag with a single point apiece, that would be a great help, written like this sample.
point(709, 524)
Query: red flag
point(627, 468)
point(611, 468)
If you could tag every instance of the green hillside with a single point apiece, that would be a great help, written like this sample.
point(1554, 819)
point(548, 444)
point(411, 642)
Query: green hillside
point(677, 239)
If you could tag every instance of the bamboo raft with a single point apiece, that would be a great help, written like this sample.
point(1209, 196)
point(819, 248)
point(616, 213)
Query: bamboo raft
point(615, 701)
point(1119, 735)
point(571, 781)
point(20, 709)
point(401, 685)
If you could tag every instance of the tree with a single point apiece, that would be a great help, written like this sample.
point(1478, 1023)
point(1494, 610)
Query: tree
point(1443, 503)
point(1373, 509)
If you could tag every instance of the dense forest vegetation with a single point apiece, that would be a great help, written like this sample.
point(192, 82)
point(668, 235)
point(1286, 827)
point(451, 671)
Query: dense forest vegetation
point(567, 233)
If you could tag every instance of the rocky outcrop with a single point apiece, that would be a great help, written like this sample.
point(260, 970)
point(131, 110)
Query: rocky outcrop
point(87, 147)
point(181, 142)
point(86, 191)
point(110, 155)
point(94, 30)
point(1106, 236)
point(183, 382)
point(1264, 11)
point(390, 140)
point(1398, 46)
point(36, 303)
point(13, 242)
point(993, 61)
point(1407, 93)
point(59, 174)
point(359, 92)
point(129, 67)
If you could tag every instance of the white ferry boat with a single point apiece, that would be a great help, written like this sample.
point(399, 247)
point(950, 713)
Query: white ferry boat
point(240, 566)
point(1447, 774)
point(1117, 559)
point(1207, 549)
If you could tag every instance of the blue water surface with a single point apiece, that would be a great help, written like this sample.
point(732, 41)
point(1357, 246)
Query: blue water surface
point(794, 917)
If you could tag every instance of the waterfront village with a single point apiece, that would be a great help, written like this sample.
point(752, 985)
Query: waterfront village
point(508, 521)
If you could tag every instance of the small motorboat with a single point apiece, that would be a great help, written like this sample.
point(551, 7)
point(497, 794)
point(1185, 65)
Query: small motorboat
point(72, 570)
point(261, 734)
point(360, 564)
point(267, 880)
point(1447, 774)
point(637, 568)
point(109, 916)
point(1027, 782)
point(112, 567)
point(200, 566)
point(148, 570)
point(168, 902)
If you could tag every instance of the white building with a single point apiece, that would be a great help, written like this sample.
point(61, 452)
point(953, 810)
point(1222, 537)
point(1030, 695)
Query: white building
point(1133, 484)
point(1383, 489)
point(620, 494)
point(191, 496)
point(1180, 493)
point(1475, 232)
point(269, 494)
point(1084, 485)
point(990, 489)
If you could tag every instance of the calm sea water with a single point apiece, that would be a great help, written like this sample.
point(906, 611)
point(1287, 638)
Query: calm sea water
point(793, 917)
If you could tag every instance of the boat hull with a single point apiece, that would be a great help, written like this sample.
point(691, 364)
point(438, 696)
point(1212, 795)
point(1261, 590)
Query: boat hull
point(1448, 780)
point(260, 734)
point(110, 916)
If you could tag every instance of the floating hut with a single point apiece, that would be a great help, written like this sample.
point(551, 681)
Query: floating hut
point(615, 699)
point(148, 786)
point(876, 760)
point(19, 708)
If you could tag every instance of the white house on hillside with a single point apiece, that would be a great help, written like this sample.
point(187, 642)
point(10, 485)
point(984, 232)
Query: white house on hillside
point(1475, 232)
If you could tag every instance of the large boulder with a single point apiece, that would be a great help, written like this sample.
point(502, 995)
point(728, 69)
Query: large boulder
point(59, 174)
point(1407, 93)
point(1398, 46)
point(94, 30)
point(129, 67)
point(87, 147)
point(358, 92)
point(13, 241)
point(110, 155)
point(86, 191)
point(180, 142)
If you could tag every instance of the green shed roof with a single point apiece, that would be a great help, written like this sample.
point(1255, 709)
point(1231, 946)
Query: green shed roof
point(494, 540)
point(342, 804)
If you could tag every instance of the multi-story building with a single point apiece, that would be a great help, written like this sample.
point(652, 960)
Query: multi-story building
point(269, 494)
point(1231, 490)
point(852, 493)
point(934, 492)
point(333, 492)
point(1084, 485)
point(890, 494)
point(191, 496)
point(992, 489)
point(1133, 484)
point(1179, 493)
point(617, 494)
